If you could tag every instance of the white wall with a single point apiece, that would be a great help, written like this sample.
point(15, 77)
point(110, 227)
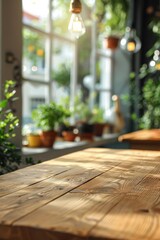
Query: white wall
point(0, 48)
point(11, 40)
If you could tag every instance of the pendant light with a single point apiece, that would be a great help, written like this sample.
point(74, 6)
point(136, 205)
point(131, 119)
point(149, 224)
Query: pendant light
point(130, 42)
point(76, 25)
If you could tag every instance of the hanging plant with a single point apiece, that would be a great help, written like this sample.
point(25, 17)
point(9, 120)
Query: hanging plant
point(111, 16)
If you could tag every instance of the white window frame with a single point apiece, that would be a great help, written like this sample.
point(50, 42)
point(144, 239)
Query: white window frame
point(50, 35)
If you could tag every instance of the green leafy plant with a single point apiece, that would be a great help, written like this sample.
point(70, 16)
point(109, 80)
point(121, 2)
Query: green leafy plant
point(97, 115)
point(10, 157)
point(82, 111)
point(48, 116)
point(148, 98)
point(150, 74)
point(112, 16)
point(151, 102)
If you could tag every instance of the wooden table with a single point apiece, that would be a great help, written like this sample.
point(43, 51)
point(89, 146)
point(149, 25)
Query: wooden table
point(143, 139)
point(94, 194)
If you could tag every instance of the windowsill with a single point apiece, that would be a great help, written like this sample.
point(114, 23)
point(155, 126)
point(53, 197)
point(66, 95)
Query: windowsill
point(64, 147)
point(57, 145)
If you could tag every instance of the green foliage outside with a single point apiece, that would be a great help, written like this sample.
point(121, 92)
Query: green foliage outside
point(154, 25)
point(10, 157)
point(151, 89)
point(151, 104)
point(62, 75)
point(61, 16)
point(49, 116)
point(33, 46)
point(149, 98)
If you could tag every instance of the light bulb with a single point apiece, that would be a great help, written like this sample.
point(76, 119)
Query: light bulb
point(131, 46)
point(76, 25)
point(130, 42)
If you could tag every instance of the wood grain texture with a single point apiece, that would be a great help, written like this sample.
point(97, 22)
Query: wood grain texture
point(92, 194)
point(22, 178)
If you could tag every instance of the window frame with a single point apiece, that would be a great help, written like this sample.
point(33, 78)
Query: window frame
point(50, 35)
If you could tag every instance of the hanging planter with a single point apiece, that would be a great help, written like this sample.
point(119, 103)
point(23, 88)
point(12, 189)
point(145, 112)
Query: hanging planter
point(111, 42)
point(111, 17)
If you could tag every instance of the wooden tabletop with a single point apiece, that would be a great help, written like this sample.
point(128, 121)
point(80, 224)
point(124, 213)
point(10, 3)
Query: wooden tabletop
point(93, 194)
point(142, 135)
point(142, 139)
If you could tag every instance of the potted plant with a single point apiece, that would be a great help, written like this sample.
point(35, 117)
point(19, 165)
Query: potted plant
point(90, 122)
point(70, 133)
point(31, 136)
point(97, 119)
point(34, 140)
point(111, 16)
point(87, 122)
point(47, 117)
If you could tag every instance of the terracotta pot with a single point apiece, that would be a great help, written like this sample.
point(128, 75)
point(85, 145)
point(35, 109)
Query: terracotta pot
point(85, 131)
point(111, 42)
point(48, 138)
point(69, 136)
point(34, 140)
point(98, 129)
point(86, 136)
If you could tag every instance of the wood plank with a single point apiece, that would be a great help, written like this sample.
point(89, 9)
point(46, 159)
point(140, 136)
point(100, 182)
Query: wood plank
point(129, 219)
point(22, 178)
point(98, 154)
point(16, 233)
point(26, 200)
point(139, 210)
point(81, 210)
point(74, 213)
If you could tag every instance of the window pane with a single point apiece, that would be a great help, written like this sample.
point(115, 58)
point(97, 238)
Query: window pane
point(34, 55)
point(33, 95)
point(61, 17)
point(62, 58)
point(104, 86)
point(35, 13)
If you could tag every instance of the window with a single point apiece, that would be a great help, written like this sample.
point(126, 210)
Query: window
point(54, 64)
point(48, 52)
point(34, 102)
